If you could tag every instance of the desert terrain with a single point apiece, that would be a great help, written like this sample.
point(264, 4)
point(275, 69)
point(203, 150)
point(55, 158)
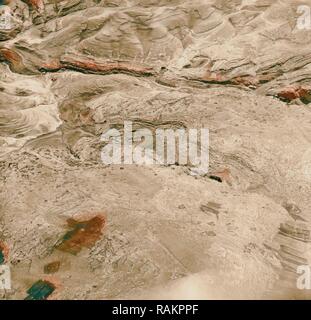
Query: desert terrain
point(71, 70)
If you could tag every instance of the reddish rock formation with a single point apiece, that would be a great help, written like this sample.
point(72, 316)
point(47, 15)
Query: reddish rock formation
point(91, 66)
point(12, 58)
point(36, 4)
point(4, 253)
point(251, 81)
point(247, 81)
point(214, 77)
point(53, 65)
point(83, 233)
point(294, 92)
point(223, 175)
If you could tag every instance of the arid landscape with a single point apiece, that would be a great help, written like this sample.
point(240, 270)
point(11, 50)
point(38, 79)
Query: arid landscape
point(73, 227)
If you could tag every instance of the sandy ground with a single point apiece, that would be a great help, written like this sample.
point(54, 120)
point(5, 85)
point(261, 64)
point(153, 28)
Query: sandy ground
point(71, 70)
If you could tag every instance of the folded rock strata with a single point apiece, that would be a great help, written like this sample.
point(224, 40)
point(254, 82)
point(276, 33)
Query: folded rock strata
point(71, 70)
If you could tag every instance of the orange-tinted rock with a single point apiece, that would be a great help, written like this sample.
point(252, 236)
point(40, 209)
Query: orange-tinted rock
point(294, 92)
point(82, 233)
point(247, 81)
point(92, 66)
point(223, 175)
point(12, 58)
point(4, 253)
point(54, 65)
point(37, 4)
point(214, 77)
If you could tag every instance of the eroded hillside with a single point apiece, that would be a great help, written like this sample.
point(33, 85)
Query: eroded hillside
point(71, 70)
